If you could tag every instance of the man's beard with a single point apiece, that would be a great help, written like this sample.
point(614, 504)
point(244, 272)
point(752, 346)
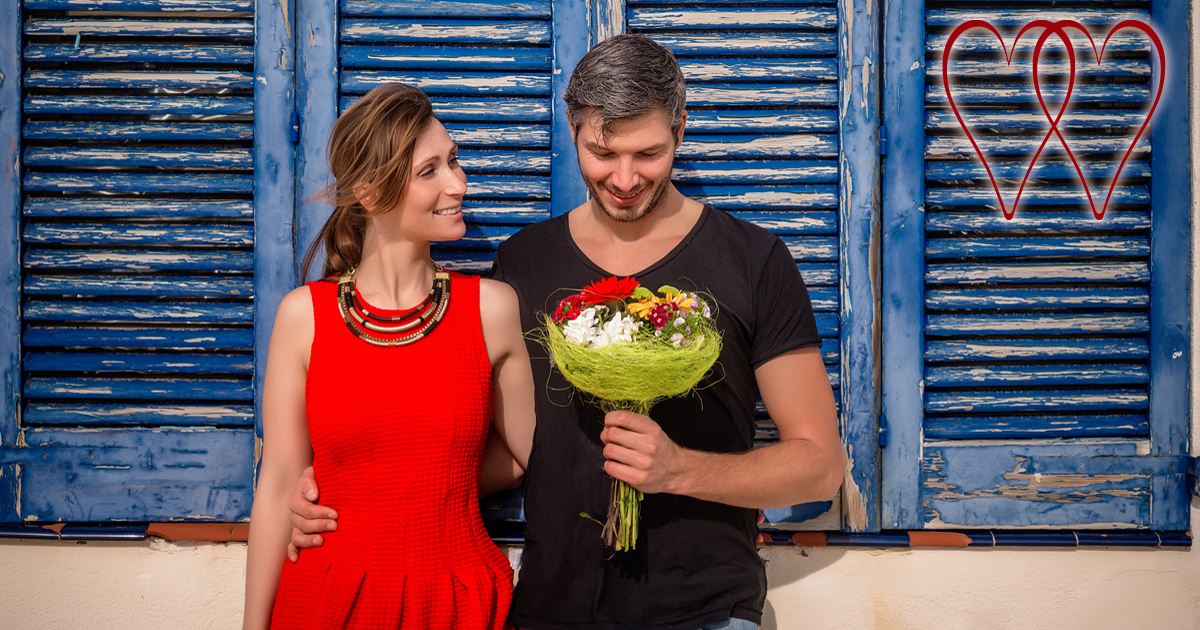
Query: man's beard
point(655, 201)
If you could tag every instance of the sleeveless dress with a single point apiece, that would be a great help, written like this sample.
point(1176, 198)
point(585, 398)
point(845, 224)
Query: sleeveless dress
point(397, 436)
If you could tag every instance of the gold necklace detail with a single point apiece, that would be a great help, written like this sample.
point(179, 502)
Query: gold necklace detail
point(401, 329)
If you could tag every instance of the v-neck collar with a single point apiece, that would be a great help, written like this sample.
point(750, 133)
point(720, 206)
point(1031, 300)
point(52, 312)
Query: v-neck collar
point(566, 227)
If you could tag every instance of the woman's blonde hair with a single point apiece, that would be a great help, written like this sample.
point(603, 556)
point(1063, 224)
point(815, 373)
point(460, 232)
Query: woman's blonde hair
point(370, 152)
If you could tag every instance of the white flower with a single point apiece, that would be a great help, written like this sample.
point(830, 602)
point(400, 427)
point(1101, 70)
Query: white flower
point(678, 322)
point(676, 339)
point(619, 328)
point(707, 312)
point(582, 329)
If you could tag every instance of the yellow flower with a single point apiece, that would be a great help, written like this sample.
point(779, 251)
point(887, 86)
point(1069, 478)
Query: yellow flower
point(641, 308)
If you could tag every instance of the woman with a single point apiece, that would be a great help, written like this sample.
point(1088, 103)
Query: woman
point(390, 403)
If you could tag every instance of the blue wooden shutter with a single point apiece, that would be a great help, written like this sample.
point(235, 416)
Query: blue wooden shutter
point(1035, 370)
point(487, 67)
point(767, 123)
point(138, 238)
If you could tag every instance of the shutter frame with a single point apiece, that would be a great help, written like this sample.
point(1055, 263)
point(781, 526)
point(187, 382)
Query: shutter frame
point(910, 493)
point(10, 249)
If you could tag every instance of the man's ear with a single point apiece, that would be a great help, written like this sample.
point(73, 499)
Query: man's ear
point(571, 125)
point(679, 130)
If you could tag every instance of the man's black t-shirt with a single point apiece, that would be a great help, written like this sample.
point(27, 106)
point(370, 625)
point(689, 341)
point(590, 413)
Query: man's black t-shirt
point(695, 561)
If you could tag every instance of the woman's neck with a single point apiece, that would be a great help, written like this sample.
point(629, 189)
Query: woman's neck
point(393, 274)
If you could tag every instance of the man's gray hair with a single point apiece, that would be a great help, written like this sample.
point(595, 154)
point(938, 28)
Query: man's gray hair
point(623, 77)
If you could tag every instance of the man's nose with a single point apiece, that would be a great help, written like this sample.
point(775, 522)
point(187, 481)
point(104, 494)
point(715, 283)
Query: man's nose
point(625, 177)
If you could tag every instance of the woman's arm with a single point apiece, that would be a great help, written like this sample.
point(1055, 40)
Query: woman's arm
point(286, 452)
point(512, 387)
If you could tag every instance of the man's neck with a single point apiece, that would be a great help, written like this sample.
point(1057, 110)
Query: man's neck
point(626, 248)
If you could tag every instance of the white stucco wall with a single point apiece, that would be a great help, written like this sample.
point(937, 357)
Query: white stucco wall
point(186, 586)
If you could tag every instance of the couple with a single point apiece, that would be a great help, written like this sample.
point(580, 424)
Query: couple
point(396, 433)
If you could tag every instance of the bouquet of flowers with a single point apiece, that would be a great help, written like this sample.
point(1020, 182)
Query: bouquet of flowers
point(628, 348)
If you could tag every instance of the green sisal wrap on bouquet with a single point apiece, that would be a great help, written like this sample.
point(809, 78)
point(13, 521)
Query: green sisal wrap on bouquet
point(628, 349)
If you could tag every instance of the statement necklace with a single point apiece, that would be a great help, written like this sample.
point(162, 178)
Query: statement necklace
point(399, 330)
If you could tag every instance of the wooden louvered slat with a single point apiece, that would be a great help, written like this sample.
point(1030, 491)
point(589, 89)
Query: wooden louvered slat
point(45, 414)
point(509, 186)
point(156, 363)
point(141, 5)
point(95, 311)
point(771, 121)
point(1035, 324)
point(131, 388)
point(139, 235)
point(1059, 400)
point(161, 132)
point(999, 349)
point(132, 80)
point(128, 338)
point(491, 59)
point(133, 28)
point(152, 53)
point(939, 222)
point(165, 183)
point(761, 94)
point(948, 146)
point(976, 273)
point(797, 197)
point(722, 18)
point(177, 106)
point(1002, 247)
point(138, 261)
point(158, 157)
point(442, 31)
point(478, 162)
point(755, 171)
point(704, 146)
point(171, 209)
point(1040, 298)
point(792, 223)
point(752, 70)
point(1047, 170)
point(1009, 120)
point(447, 8)
point(499, 135)
point(484, 110)
point(505, 211)
point(1042, 375)
point(770, 43)
point(443, 83)
point(1040, 426)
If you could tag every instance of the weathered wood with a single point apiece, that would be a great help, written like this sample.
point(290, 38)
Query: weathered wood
point(762, 94)
point(1010, 173)
point(750, 70)
point(196, 107)
point(996, 298)
point(965, 71)
point(450, 109)
point(792, 223)
point(499, 135)
point(505, 211)
point(144, 261)
point(448, 8)
point(1083, 400)
point(169, 183)
point(1024, 375)
point(87, 28)
point(508, 186)
point(1074, 349)
point(1037, 247)
point(10, 252)
point(95, 312)
point(153, 53)
point(157, 363)
point(1016, 94)
point(241, 6)
point(479, 237)
point(755, 172)
point(973, 273)
point(446, 31)
point(142, 209)
point(1036, 426)
point(761, 120)
point(447, 57)
point(169, 389)
point(1014, 17)
point(1034, 222)
point(149, 157)
point(1048, 486)
point(137, 338)
point(114, 132)
point(825, 299)
point(1032, 324)
point(976, 42)
point(139, 286)
point(458, 83)
point(954, 146)
point(703, 146)
point(134, 80)
point(818, 274)
point(478, 161)
point(108, 414)
point(1009, 120)
point(770, 43)
point(795, 197)
point(140, 474)
point(713, 18)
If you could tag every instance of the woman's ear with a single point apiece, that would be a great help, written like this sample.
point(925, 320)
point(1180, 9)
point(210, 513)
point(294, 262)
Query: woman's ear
point(366, 195)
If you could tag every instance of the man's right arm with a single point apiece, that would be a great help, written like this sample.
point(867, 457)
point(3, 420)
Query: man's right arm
point(309, 520)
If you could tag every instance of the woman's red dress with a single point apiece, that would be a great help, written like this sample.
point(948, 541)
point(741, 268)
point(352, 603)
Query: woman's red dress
point(397, 436)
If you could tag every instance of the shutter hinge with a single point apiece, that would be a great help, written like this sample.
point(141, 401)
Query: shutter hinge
point(883, 140)
point(883, 430)
point(295, 128)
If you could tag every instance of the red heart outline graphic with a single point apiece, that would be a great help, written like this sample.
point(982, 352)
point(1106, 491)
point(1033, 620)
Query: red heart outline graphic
point(1051, 28)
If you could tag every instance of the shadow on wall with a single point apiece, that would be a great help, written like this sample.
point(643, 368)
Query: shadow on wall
point(788, 565)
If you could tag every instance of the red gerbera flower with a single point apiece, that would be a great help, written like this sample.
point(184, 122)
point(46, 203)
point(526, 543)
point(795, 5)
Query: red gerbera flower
point(608, 290)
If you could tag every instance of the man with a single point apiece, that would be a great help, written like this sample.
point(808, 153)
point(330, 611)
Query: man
point(696, 564)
